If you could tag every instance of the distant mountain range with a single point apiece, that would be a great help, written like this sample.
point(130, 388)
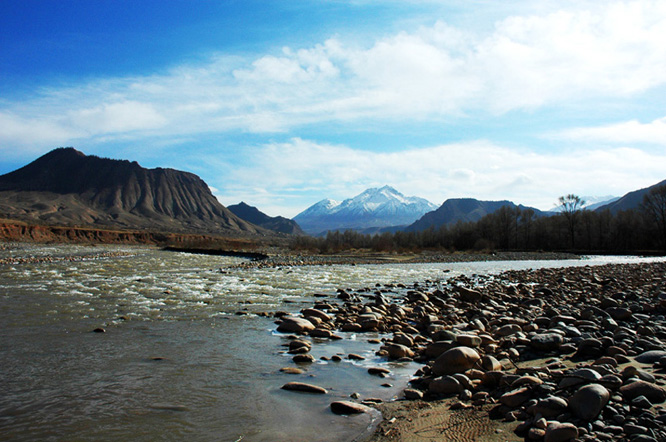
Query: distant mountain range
point(373, 208)
point(255, 216)
point(67, 187)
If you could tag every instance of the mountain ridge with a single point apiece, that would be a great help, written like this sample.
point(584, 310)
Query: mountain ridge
point(630, 200)
point(454, 210)
point(67, 187)
point(253, 215)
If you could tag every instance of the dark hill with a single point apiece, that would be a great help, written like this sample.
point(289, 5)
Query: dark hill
point(255, 216)
point(630, 201)
point(67, 187)
point(459, 209)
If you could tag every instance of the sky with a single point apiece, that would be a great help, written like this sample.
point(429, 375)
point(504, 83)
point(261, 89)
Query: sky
point(282, 103)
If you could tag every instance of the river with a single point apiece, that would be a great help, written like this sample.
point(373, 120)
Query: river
point(184, 356)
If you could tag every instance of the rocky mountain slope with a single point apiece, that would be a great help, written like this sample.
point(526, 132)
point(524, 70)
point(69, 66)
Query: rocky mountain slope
point(372, 208)
point(275, 223)
point(67, 187)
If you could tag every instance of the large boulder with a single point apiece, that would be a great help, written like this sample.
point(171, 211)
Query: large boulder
point(560, 432)
point(654, 393)
point(546, 341)
point(455, 360)
point(588, 401)
point(445, 386)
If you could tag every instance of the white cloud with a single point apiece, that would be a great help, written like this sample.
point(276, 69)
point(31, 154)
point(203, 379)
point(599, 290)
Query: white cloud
point(606, 50)
point(124, 116)
point(625, 132)
point(476, 169)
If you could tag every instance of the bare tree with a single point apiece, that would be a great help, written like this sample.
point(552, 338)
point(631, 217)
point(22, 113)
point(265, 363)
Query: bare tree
point(654, 205)
point(570, 207)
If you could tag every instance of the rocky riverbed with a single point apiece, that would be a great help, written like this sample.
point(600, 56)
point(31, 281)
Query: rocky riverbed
point(553, 354)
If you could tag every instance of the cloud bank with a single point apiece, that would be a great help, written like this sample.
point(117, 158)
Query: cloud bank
point(478, 169)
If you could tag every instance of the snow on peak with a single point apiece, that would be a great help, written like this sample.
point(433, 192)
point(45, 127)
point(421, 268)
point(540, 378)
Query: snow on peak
point(373, 207)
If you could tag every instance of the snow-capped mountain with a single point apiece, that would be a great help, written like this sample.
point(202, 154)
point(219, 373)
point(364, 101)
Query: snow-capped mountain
point(383, 207)
point(594, 202)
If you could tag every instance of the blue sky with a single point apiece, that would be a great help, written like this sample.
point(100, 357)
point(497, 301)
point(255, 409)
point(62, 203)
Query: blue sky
point(283, 103)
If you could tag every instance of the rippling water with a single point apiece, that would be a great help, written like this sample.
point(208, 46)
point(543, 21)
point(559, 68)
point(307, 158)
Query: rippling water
point(177, 361)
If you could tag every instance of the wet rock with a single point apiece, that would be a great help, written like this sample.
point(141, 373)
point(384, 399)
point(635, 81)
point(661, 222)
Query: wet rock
point(398, 351)
point(292, 324)
point(588, 401)
point(348, 407)
point(321, 333)
point(299, 346)
point(379, 371)
point(303, 387)
point(292, 370)
point(455, 360)
point(313, 312)
point(303, 359)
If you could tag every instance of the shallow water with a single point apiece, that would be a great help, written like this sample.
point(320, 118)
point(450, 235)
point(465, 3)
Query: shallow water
point(177, 361)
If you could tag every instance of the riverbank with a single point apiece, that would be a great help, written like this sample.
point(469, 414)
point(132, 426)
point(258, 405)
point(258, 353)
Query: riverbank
point(279, 258)
point(549, 354)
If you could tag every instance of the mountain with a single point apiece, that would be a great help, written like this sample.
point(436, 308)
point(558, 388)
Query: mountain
point(460, 209)
point(631, 200)
point(67, 187)
point(374, 208)
point(255, 216)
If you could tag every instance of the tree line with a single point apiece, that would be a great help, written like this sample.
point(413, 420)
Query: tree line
point(572, 228)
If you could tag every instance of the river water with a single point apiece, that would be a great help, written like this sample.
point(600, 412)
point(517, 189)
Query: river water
point(177, 360)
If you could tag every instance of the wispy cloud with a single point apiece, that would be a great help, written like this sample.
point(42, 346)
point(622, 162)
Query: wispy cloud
point(626, 132)
point(524, 62)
